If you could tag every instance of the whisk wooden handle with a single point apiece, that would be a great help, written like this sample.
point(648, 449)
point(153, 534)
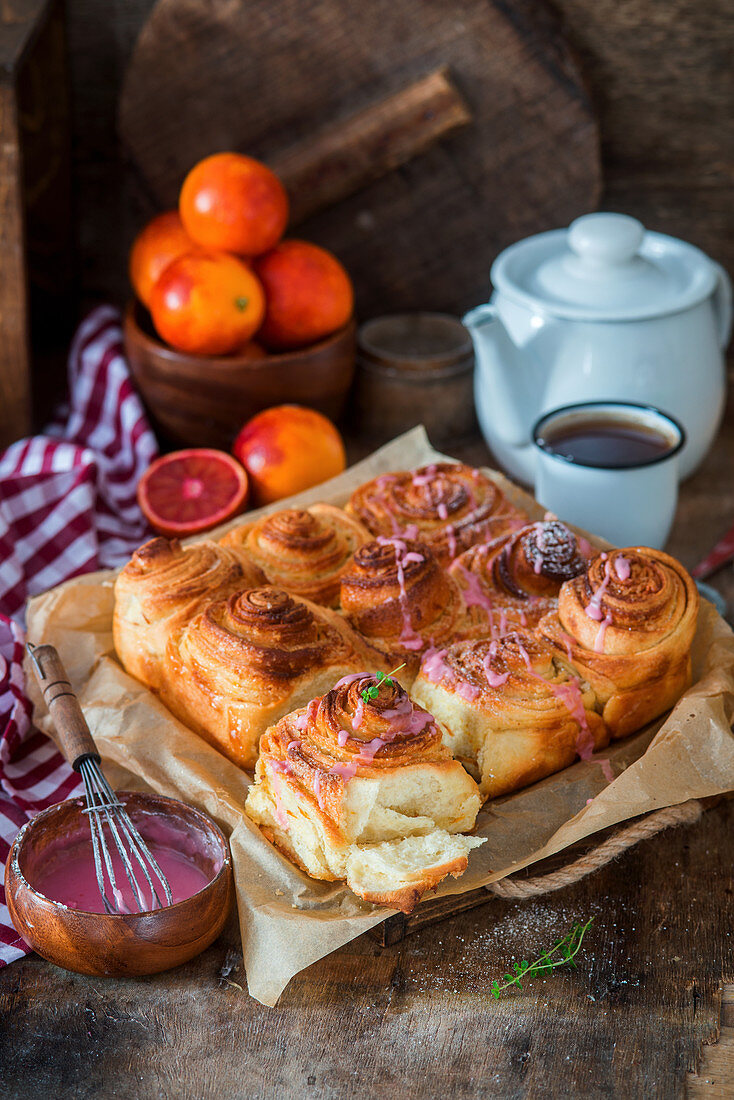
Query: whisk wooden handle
point(63, 705)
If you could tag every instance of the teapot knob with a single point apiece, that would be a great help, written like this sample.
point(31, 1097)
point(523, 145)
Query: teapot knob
point(605, 238)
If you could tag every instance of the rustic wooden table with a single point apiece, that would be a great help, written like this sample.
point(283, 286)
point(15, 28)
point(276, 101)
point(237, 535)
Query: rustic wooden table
point(416, 1019)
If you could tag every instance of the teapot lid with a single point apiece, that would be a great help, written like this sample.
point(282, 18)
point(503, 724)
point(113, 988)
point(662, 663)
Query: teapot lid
point(604, 267)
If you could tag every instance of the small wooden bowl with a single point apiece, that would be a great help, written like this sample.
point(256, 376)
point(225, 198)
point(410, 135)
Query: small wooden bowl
point(203, 402)
point(122, 945)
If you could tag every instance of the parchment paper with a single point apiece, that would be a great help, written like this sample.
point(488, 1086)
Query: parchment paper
point(288, 920)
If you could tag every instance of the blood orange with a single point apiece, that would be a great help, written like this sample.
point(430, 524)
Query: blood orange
point(187, 492)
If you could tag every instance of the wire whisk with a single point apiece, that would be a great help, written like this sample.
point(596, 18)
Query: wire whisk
point(107, 815)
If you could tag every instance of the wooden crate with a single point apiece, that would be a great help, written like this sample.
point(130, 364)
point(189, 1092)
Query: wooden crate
point(37, 284)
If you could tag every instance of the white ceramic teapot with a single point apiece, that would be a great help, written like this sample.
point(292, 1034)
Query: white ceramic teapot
point(602, 310)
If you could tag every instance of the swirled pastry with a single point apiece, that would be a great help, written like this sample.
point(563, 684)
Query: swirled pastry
point(397, 596)
point(244, 662)
point(448, 506)
point(161, 588)
point(358, 786)
point(627, 625)
point(304, 550)
point(511, 707)
point(511, 583)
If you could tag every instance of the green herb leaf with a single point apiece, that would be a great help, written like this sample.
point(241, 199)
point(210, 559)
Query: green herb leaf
point(373, 690)
point(562, 953)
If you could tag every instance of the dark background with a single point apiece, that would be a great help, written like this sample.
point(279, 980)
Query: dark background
point(661, 74)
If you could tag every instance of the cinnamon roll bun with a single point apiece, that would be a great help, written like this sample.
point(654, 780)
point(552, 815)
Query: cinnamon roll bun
point(448, 506)
point(161, 588)
point(511, 583)
point(627, 625)
point(358, 786)
point(511, 708)
point(244, 662)
point(397, 596)
point(304, 550)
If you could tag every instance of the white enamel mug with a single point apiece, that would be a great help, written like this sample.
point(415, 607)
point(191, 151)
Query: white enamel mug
point(629, 505)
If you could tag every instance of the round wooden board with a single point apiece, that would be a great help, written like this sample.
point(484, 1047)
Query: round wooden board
point(209, 75)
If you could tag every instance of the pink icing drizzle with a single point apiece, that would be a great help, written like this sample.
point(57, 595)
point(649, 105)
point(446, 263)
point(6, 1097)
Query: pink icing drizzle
point(526, 658)
point(280, 768)
point(494, 679)
point(434, 665)
point(599, 640)
point(622, 567)
point(606, 768)
point(443, 512)
point(358, 717)
point(346, 771)
point(409, 639)
point(426, 477)
point(571, 697)
point(475, 595)
point(593, 608)
point(467, 691)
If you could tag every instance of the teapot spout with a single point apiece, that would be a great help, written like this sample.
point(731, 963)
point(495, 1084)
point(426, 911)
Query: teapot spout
point(507, 401)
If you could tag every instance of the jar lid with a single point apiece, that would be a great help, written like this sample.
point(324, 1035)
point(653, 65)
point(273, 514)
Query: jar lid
point(604, 267)
point(419, 341)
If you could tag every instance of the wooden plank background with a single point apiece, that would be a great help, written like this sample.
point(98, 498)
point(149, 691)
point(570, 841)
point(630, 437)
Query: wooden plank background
point(415, 1020)
point(660, 73)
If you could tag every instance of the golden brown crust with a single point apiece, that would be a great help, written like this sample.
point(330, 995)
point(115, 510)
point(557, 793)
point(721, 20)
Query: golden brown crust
point(304, 550)
point(627, 624)
point(360, 766)
point(511, 583)
point(243, 662)
point(446, 505)
point(406, 899)
point(512, 706)
point(397, 596)
point(161, 588)
point(322, 746)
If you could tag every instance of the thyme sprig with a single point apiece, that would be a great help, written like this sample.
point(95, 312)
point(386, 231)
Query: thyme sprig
point(373, 690)
point(562, 953)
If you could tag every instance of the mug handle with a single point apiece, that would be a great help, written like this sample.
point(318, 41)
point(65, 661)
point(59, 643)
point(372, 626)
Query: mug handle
point(722, 302)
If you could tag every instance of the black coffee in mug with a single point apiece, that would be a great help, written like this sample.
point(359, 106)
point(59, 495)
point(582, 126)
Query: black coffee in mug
point(605, 441)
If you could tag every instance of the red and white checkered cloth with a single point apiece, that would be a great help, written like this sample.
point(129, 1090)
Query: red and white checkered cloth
point(67, 506)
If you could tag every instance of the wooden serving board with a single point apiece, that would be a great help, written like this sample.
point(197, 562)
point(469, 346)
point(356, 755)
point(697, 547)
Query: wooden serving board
point(417, 139)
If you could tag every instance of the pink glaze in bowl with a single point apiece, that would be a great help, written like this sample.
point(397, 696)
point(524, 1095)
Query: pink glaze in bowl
point(121, 944)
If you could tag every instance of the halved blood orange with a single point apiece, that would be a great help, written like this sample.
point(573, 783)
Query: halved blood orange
point(187, 492)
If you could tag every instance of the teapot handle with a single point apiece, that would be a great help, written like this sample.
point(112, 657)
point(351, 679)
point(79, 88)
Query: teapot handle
point(722, 302)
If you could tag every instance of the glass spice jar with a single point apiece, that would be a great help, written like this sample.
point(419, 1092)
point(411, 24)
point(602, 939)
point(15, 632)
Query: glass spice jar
point(414, 368)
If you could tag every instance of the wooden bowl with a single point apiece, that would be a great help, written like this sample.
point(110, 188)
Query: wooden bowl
point(203, 402)
point(121, 945)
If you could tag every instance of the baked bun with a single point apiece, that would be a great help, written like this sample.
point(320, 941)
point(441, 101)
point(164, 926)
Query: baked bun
point(397, 596)
point(448, 506)
point(244, 662)
point(161, 588)
point(511, 708)
point(340, 785)
point(627, 625)
point(304, 550)
point(511, 583)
